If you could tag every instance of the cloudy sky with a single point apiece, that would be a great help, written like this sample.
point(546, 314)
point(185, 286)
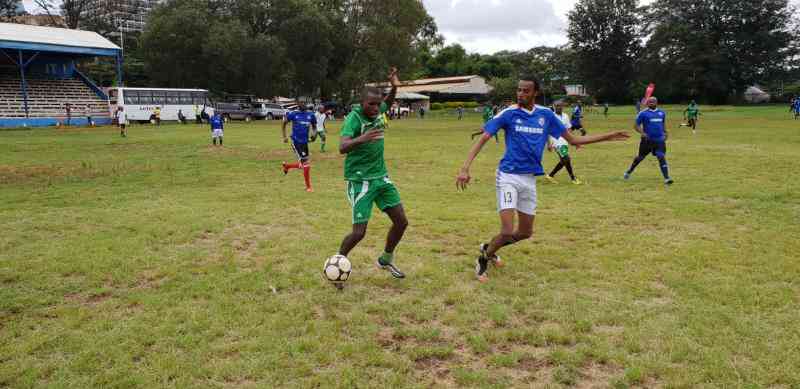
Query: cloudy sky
point(488, 26)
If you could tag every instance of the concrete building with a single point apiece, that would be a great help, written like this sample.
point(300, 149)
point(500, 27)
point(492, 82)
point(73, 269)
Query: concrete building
point(576, 90)
point(127, 15)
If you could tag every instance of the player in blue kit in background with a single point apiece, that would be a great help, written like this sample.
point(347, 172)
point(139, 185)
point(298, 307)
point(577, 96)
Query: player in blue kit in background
point(301, 120)
point(527, 128)
point(577, 119)
point(217, 126)
point(651, 124)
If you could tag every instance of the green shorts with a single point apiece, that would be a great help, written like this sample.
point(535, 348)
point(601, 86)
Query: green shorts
point(562, 151)
point(362, 194)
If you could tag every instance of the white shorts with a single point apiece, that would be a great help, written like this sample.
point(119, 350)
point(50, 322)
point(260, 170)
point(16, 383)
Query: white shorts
point(516, 191)
point(217, 133)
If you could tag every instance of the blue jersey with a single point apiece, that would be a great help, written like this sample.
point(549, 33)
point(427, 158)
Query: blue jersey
point(526, 136)
point(577, 113)
point(652, 121)
point(301, 122)
point(216, 122)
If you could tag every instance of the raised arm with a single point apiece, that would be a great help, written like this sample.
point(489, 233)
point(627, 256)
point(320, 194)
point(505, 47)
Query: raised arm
point(395, 81)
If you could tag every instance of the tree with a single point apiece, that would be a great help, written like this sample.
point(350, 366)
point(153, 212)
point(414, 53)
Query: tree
point(503, 89)
point(70, 9)
point(8, 10)
point(372, 35)
point(187, 44)
point(715, 49)
point(605, 37)
point(319, 48)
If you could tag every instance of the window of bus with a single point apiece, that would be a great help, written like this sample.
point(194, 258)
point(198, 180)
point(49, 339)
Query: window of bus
point(145, 97)
point(131, 96)
point(173, 98)
point(159, 97)
point(186, 98)
point(199, 98)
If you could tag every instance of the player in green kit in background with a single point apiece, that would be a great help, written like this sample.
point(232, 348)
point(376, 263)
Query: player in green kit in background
point(366, 175)
point(692, 112)
point(488, 114)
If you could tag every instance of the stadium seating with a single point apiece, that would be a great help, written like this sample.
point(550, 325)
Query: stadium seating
point(47, 97)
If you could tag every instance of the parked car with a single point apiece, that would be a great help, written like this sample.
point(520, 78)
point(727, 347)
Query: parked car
point(236, 111)
point(269, 111)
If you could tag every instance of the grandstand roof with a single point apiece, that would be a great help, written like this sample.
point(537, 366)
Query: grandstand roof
point(460, 85)
point(51, 39)
point(410, 96)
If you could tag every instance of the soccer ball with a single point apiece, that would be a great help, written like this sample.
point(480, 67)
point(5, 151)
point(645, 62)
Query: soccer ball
point(337, 269)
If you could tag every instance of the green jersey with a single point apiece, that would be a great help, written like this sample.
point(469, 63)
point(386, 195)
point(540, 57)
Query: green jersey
point(487, 114)
point(365, 162)
point(692, 111)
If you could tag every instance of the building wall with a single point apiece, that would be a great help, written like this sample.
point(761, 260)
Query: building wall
point(128, 15)
point(576, 90)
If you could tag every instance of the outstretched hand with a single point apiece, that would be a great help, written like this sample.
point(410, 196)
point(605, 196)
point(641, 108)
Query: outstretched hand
point(618, 135)
point(462, 180)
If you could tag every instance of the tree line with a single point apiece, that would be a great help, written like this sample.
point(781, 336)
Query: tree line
point(708, 50)
point(320, 48)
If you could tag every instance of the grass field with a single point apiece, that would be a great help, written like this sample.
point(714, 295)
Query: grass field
point(159, 261)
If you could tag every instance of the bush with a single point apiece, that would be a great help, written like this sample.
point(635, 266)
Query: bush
point(456, 104)
point(437, 106)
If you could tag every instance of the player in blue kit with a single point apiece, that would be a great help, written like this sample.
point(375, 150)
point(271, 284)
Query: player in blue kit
point(217, 126)
point(651, 124)
point(577, 119)
point(301, 120)
point(796, 108)
point(527, 127)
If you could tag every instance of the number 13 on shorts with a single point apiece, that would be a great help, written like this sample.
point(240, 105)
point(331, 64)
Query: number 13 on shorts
point(516, 191)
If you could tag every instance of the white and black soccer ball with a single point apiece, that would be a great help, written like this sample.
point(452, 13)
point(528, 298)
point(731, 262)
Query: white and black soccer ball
point(337, 269)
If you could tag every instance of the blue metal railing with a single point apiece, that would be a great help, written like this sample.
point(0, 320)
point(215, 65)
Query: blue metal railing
point(96, 89)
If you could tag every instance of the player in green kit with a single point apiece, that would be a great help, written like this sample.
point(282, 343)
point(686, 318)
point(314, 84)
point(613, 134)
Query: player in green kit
point(365, 172)
point(692, 112)
point(488, 114)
